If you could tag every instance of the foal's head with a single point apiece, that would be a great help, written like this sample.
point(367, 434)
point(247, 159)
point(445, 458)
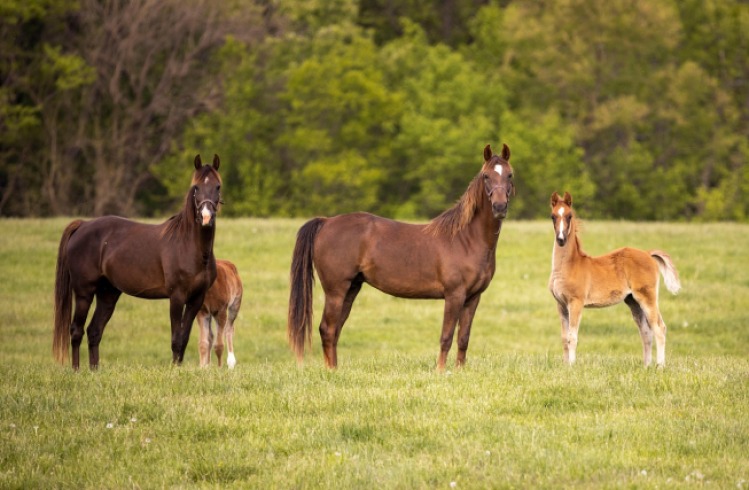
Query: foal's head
point(561, 216)
point(497, 176)
point(206, 191)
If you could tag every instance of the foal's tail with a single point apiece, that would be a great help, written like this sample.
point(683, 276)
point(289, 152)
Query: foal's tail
point(668, 269)
point(299, 325)
point(63, 297)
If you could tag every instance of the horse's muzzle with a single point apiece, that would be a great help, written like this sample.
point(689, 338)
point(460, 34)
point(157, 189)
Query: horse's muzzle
point(207, 216)
point(561, 241)
point(499, 210)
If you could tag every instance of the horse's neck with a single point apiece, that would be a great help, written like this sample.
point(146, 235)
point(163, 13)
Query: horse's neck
point(203, 235)
point(484, 227)
point(571, 252)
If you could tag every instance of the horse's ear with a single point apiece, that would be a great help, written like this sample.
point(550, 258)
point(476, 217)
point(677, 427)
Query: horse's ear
point(198, 162)
point(555, 199)
point(505, 152)
point(567, 199)
point(487, 153)
point(216, 161)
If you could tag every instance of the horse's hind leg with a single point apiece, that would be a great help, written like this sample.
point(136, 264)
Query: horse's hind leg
point(206, 337)
point(82, 305)
point(106, 300)
point(337, 309)
point(647, 297)
point(646, 333)
point(231, 361)
point(464, 332)
point(221, 320)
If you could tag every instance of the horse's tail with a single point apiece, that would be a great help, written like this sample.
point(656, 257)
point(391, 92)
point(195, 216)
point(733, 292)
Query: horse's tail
point(668, 269)
point(302, 278)
point(63, 297)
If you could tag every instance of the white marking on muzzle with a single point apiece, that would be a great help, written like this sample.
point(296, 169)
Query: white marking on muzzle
point(206, 214)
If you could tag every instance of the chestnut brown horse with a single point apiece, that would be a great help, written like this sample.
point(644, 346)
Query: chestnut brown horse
point(222, 303)
point(107, 256)
point(452, 257)
point(627, 274)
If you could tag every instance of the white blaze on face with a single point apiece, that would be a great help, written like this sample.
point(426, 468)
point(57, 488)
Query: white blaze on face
point(561, 223)
point(498, 169)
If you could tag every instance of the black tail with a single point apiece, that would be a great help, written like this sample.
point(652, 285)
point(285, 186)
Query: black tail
point(299, 326)
point(63, 297)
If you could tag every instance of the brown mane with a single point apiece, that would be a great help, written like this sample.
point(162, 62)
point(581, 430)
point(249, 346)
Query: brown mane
point(453, 220)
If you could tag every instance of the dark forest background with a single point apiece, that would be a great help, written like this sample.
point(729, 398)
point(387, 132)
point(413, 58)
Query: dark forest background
point(639, 108)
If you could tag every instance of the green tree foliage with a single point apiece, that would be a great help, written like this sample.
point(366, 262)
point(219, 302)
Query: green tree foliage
point(639, 108)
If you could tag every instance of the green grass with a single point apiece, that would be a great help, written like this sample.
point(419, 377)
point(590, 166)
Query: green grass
point(515, 416)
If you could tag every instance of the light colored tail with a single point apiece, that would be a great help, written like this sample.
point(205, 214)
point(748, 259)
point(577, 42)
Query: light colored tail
point(668, 269)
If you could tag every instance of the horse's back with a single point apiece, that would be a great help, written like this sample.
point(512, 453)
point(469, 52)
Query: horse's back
point(395, 257)
point(123, 251)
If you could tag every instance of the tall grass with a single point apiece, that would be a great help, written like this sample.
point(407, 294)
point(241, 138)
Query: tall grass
point(515, 416)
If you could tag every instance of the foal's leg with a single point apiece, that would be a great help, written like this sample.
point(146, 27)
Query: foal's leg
point(206, 337)
point(646, 333)
point(82, 305)
point(106, 300)
point(647, 297)
point(564, 316)
point(453, 307)
point(464, 332)
point(575, 309)
point(221, 320)
point(231, 361)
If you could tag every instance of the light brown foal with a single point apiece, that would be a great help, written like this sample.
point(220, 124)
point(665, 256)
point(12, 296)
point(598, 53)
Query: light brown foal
point(222, 302)
point(627, 274)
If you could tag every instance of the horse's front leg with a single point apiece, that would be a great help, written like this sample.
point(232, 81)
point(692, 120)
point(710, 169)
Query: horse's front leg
point(564, 317)
point(453, 306)
point(464, 332)
point(176, 311)
point(575, 309)
point(191, 310)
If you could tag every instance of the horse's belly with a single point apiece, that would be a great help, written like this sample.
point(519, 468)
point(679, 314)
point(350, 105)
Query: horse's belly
point(601, 299)
point(414, 285)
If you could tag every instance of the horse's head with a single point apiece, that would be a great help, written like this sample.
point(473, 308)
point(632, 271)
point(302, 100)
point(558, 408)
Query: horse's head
point(497, 176)
point(561, 216)
point(206, 191)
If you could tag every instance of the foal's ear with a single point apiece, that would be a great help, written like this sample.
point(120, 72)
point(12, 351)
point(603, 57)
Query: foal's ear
point(567, 199)
point(554, 199)
point(505, 152)
point(198, 162)
point(216, 161)
point(487, 153)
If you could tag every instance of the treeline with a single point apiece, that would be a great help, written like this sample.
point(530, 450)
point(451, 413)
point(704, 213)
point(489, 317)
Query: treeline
point(640, 108)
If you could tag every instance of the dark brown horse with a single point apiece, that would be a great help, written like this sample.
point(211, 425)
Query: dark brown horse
point(452, 257)
point(107, 256)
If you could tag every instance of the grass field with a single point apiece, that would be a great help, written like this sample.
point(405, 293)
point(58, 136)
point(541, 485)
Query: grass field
point(514, 417)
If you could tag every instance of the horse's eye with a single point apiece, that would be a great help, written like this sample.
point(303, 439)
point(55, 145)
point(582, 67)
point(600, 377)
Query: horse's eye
point(485, 176)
